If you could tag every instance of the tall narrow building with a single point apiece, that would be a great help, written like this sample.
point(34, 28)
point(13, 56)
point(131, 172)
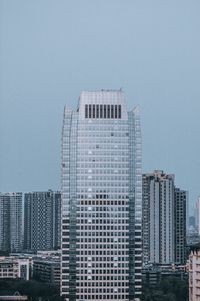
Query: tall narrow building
point(180, 212)
point(164, 219)
point(42, 220)
point(11, 222)
point(158, 217)
point(101, 199)
point(198, 214)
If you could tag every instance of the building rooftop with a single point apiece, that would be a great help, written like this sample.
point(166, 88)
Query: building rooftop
point(195, 247)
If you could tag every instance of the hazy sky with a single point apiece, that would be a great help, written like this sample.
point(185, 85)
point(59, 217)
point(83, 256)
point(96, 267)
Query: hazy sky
point(52, 50)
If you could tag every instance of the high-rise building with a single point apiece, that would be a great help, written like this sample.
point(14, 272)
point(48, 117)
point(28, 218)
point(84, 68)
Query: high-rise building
point(11, 222)
point(158, 221)
point(180, 209)
point(101, 199)
point(198, 215)
point(164, 219)
point(42, 220)
point(192, 222)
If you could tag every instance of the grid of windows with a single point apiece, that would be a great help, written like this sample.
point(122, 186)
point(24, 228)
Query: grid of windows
point(99, 175)
point(100, 212)
point(102, 111)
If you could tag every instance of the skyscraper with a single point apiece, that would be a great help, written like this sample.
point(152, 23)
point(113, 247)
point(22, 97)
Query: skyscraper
point(11, 222)
point(164, 219)
point(158, 217)
point(198, 215)
point(42, 220)
point(101, 199)
point(180, 208)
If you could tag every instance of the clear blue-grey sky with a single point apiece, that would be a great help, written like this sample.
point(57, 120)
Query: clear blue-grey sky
point(51, 50)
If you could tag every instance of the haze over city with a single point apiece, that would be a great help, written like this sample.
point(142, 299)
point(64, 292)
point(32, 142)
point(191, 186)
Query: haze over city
point(50, 51)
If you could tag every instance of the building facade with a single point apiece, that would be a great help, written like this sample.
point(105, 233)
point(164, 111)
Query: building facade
point(101, 199)
point(158, 221)
point(42, 220)
point(47, 270)
point(164, 219)
point(194, 274)
point(198, 215)
point(11, 267)
point(153, 274)
point(11, 222)
point(192, 223)
point(180, 209)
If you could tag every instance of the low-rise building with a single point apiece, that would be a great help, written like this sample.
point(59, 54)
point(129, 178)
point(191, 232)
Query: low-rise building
point(47, 270)
point(11, 267)
point(152, 274)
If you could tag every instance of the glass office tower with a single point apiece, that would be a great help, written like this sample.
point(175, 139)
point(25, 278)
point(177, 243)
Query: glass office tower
point(101, 199)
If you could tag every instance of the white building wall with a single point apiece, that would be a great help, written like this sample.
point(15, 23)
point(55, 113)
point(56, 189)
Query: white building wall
point(101, 199)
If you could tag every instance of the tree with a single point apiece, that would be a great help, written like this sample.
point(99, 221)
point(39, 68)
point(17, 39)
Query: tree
point(169, 289)
point(35, 290)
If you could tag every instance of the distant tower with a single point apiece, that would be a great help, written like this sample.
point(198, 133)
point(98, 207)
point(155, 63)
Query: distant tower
point(198, 214)
point(158, 221)
point(180, 212)
point(192, 222)
point(11, 222)
point(42, 220)
point(101, 199)
point(164, 219)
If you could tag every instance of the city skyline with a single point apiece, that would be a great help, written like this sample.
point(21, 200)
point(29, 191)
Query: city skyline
point(46, 64)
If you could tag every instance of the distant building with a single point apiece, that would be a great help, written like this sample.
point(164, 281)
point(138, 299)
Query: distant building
point(11, 267)
point(194, 273)
point(192, 222)
point(158, 217)
point(153, 274)
point(198, 215)
point(11, 222)
point(180, 209)
point(193, 238)
point(42, 220)
point(47, 270)
point(164, 219)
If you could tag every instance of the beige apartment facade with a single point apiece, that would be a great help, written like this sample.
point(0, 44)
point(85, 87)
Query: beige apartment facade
point(194, 274)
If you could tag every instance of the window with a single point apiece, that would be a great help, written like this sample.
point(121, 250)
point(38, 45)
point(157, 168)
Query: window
point(90, 111)
point(119, 111)
point(112, 111)
point(102, 111)
point(93, 109)
point(86, 111)
point(97, 111)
